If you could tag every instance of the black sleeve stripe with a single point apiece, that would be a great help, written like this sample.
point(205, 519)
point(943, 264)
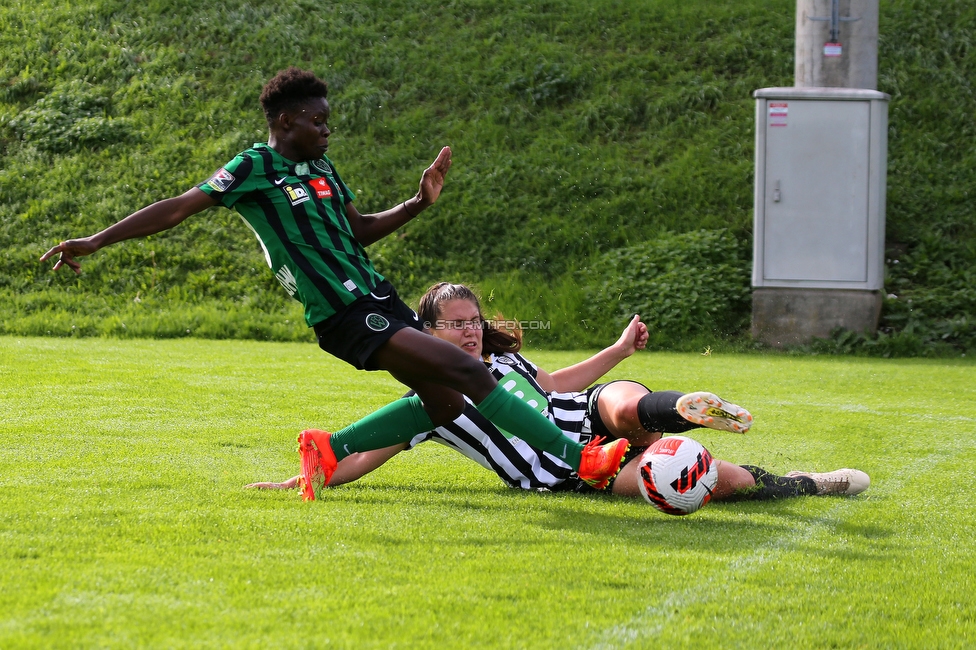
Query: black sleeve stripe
point(241, 173)
point(529, 367)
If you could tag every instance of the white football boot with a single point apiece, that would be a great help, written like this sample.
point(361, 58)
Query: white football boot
point(841, 481)
point(711, 411)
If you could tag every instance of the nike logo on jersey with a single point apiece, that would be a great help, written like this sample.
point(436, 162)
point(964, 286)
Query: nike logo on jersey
point(279, 181)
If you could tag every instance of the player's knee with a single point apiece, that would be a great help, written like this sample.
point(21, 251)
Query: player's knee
point(625, 416)
point(472, 376)
point(444, 412)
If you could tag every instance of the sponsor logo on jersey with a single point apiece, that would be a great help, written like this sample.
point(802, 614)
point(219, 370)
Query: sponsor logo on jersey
point(287, 280)
point(221, 180)
point(521, 388)
point(322, 189)
point(279, 181)
point(376, 322)
point(504, 360)
point(296, 194)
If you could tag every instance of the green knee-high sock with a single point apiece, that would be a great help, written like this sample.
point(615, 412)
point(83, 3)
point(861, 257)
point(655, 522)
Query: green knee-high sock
point(518, 418)
point(396, 422)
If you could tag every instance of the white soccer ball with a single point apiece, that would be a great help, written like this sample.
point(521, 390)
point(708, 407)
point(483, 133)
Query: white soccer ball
point(677, 475)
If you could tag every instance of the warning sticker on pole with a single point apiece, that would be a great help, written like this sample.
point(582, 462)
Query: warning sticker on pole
point(833, 49)
point(777, 113)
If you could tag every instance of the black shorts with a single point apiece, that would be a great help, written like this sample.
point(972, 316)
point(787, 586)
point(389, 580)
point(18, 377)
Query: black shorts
point(598, 428)
point(592, 396)
point(354, 333)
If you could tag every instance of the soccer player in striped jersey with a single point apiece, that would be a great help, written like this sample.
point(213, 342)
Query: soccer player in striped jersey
point(615, 409)
point(291, 196)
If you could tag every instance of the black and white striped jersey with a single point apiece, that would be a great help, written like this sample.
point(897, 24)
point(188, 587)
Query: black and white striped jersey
point(517, 463)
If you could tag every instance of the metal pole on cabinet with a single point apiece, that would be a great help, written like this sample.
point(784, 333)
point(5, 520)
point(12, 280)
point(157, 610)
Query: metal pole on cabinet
point(836, 44)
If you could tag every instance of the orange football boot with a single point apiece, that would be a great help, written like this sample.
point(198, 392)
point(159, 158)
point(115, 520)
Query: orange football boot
point(318, 462)
point(600, 463)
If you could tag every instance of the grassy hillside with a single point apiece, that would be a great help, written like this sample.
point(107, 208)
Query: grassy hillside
point(579, 129)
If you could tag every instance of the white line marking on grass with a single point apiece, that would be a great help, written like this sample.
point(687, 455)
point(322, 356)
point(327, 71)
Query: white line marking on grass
point(854, 407)
point(656, 618)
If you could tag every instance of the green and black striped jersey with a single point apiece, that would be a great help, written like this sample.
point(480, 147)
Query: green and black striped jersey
point(298, 213)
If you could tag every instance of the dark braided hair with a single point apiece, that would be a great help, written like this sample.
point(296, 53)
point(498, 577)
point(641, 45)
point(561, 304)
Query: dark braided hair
point(494, 340)
point(288, 90)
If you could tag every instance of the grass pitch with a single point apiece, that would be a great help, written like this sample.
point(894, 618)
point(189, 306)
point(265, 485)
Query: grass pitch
point(123, 522)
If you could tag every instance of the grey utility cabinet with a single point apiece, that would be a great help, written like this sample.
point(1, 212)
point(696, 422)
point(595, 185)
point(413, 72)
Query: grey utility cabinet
point(821, 169)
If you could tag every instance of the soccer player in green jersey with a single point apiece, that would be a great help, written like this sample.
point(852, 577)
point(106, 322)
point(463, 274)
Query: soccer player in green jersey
point(313, 237)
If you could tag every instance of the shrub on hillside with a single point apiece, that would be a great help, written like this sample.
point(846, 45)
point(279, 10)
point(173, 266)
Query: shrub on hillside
point(682, 284)
point(931, 297)
point(932, 292)
point(70, 117)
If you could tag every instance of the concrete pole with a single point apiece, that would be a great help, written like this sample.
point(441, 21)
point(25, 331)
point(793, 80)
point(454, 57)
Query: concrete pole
point(820, 62)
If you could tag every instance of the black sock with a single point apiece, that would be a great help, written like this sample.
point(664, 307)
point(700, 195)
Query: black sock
point(769, 486)
point(657, 413)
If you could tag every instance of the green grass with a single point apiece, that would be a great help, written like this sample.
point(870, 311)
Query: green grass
point(123, 522)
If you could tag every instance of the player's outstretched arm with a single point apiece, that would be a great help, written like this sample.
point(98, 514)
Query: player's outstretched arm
point(356, 466)
point(581, 375)
point(287, 484)
point(370, 228)
point(150, 220)
point(350, 468)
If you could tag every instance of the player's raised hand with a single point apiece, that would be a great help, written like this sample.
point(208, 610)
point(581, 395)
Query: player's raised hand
point(67, 251)
point(633, 338)
point(432, 181)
